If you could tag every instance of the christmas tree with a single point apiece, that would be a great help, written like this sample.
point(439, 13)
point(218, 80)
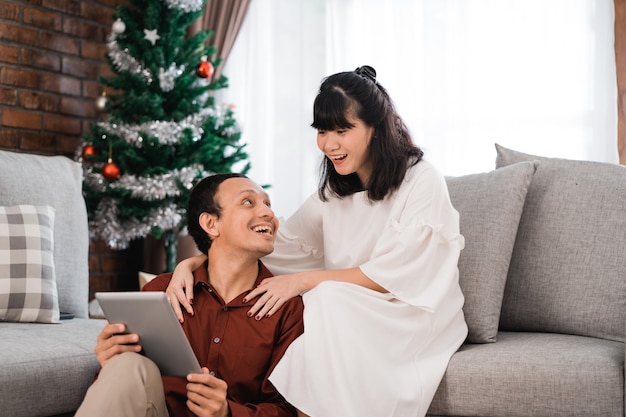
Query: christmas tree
point(163, 130)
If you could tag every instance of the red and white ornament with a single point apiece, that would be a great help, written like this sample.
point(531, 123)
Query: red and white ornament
point(205, 68)
point(111, 171)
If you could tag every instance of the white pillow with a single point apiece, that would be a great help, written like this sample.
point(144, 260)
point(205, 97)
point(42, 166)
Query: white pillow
point(28, 290)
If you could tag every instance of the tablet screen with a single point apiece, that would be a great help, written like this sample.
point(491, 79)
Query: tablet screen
point(149, 314)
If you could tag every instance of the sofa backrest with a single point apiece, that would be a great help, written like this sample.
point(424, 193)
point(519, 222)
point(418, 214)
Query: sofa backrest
point(568, 272)
point(55, 181)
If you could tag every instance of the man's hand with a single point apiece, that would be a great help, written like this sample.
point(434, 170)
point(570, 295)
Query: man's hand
point(111, 342)
point(206, 395)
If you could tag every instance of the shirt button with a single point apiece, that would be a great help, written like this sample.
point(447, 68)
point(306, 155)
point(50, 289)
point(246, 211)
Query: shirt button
point(216, 339)
point(225, 308)
point(212, 373)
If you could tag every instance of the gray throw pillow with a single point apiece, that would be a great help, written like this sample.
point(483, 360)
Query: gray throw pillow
point(490, 206)
point(568, 273)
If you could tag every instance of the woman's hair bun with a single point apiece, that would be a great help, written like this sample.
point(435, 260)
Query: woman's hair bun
point(366, 72)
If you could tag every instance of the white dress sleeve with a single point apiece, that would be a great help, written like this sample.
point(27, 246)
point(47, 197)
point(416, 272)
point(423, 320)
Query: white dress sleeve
point(417, 254)
point(299, 242)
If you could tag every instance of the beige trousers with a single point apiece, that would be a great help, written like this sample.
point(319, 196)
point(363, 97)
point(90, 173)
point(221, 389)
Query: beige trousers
point(128, 385)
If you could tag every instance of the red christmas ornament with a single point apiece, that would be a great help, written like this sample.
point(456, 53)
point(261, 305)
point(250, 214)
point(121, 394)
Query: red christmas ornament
point(205, 69)
point(89, 150)
point(111, 171)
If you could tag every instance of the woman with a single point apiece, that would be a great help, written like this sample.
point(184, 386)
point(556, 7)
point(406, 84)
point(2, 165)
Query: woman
point(374, 254)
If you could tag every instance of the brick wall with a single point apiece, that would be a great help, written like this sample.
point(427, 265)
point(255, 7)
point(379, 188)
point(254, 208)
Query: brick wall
point(51, 54)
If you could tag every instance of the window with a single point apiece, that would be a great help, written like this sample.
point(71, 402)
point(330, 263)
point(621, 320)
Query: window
point(536, 76)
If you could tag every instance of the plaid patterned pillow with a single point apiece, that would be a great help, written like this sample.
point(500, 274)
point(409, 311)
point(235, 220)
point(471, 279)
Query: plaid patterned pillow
point(28, 290)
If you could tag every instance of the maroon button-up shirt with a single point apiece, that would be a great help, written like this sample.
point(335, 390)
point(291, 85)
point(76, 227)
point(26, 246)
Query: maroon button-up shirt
point(238, 349)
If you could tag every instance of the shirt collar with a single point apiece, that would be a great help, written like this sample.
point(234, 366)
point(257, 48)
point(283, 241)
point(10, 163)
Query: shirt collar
point(201, 279)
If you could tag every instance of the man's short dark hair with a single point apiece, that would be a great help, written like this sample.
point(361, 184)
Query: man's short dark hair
point(202, 200)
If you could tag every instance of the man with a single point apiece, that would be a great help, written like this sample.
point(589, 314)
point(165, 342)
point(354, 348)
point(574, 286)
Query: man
point(230, 219)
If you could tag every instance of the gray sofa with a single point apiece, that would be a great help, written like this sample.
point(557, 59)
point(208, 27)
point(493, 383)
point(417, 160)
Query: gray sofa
point(45, 368)
point(542, 271)
point(544, 275)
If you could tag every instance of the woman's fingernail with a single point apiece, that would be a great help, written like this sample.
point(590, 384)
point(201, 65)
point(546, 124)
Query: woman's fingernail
point(258, 318)
point(249, 314)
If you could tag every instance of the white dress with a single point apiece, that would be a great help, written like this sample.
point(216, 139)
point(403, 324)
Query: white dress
point(365, 353)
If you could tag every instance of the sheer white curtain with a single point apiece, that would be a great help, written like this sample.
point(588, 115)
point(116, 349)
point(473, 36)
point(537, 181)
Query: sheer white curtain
point(274, 70)
point(537, 76)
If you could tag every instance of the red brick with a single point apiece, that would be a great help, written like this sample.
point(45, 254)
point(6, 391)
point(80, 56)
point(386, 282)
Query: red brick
point(93, 50)
point(112, 263)
point(84, 30)
point(8, 96)
point(60, 84)
point(98, 246)
point(96, 13)
point(92, 89)
point(94, 262)
point(106, 71)
point(41, 59)
point(38, 141)
point(60, 43)
point(9, 138)
point(79, 68)
point(61, 124)
point(42, 19)
point(69, 145)
point(19, 118)
point(9, 11)
point(8, 54)
point(39, 101)
point(111, 3)
point(66, 6)
point(102, 283)
point(86, 127)
point(19, 77)
point(18, 34)
point(78, 107)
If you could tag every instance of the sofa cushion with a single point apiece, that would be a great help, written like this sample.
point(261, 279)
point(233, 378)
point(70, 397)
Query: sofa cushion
point(47, 368)
point(567, 271)
point(490, 206)
point(54, 181)
point(534, 374)
point(28, 290)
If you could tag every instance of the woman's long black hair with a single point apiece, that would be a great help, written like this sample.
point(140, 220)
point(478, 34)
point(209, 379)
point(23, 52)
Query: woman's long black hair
point(391, 150)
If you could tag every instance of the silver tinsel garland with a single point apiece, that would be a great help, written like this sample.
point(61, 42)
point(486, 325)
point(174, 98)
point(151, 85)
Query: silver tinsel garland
point(160, 186)
point(152, 188)
point(123, 61)
point(118, 234)
point(167, 78)
point(187, 6)
point(167, 133)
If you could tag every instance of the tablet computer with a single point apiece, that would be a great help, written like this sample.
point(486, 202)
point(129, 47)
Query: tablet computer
point(150, 315)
